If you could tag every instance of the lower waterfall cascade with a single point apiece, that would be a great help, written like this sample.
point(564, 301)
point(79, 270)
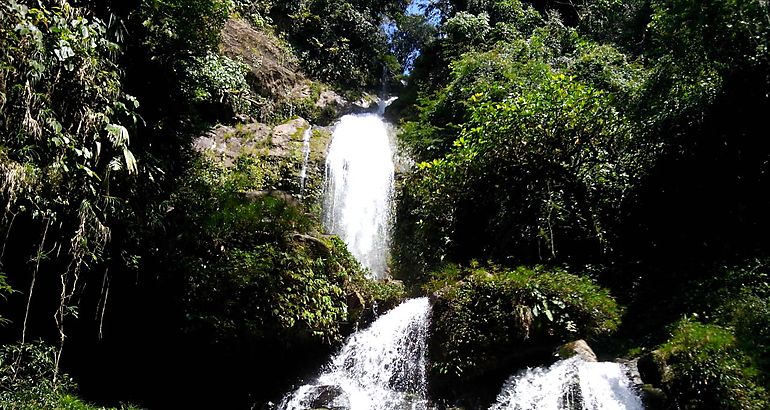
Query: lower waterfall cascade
point(571, 384)
point(382, 367)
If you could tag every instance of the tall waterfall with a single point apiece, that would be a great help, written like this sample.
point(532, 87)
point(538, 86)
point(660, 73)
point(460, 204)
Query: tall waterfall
point(359, 186)
point(380, 368)
point(571, 384)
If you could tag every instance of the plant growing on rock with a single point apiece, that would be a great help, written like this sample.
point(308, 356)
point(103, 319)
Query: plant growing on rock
point(490, 318)
point(703, 368)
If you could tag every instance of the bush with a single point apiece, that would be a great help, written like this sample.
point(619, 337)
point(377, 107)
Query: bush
point(29, 380)
point(484, 317)
point(255, 267)
point(751, 318)
point(339, 41)
point(219, 84)
point(467, 28)
point(538, 170)
point(705, 369)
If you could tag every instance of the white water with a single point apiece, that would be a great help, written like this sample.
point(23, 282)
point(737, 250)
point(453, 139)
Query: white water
point(359, 187)
point(571, 384)
point(380, 368)
point(305, 157)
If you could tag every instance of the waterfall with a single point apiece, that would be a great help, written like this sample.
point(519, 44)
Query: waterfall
point(571, 384)
point(359, 187)
point(305, 158)
point(379, 368)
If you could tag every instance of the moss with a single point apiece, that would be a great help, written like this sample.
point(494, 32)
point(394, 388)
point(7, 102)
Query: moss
point(319, 140)
point(299, 134)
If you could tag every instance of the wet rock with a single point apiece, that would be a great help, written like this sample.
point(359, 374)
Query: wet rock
point(577, 348)
point(632, 371)
point(328, 398)
point(653, 397)
point(652, 368)
point(652, 371)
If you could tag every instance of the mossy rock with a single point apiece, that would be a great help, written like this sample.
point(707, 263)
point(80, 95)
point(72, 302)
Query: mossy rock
point(702, 367)
point(488, 322)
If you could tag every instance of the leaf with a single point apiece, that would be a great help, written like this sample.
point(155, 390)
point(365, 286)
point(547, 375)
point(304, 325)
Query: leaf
point(130, 161)
point(118, 135)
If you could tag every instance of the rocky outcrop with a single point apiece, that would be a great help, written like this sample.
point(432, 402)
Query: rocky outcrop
point(327, 398)
point(275, 75)
point(274, 71)
point(230, 142)
point(330, 100)
point(285, 134)
point(280, 149)
point(652, 371)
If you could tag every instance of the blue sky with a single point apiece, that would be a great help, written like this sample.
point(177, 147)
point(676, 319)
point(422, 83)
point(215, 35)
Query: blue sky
point(414, 7)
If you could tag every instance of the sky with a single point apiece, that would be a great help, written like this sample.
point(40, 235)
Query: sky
point(414, 7)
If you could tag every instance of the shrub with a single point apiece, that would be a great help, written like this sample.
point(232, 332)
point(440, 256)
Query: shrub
point(29, 380)
point(484, 316)
point(704, 369)
point(256, 268)
point(218, 81)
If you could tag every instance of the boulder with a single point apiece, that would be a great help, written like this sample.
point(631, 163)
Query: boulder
point(285, 134)
point(577, 348)
point(328, 398)
point(329, 98)
point(632, 371)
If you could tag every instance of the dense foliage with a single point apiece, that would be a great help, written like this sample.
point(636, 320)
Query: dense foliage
point(487, 318)
point(64, 119)
point(339, 41)
point(705, 369)
point(619, 139)
point(120, 243)
point(258, 269)
point(577, 148)
point(30, 380)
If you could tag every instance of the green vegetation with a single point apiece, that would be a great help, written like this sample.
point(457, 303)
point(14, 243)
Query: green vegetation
point(487, 318)
point(621, 141)
point(30, 380)
point(705, 369)
point(255, 266)
point(127, 251)
point(579, 149)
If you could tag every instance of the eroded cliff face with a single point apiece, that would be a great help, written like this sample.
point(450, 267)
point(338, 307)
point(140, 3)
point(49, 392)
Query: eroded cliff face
point(275, 72)
point(280, 88)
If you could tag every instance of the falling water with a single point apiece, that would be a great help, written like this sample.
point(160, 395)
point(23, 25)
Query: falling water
point(571, 384)
point(380, 368)
point(305, 157)
point(359, 186)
